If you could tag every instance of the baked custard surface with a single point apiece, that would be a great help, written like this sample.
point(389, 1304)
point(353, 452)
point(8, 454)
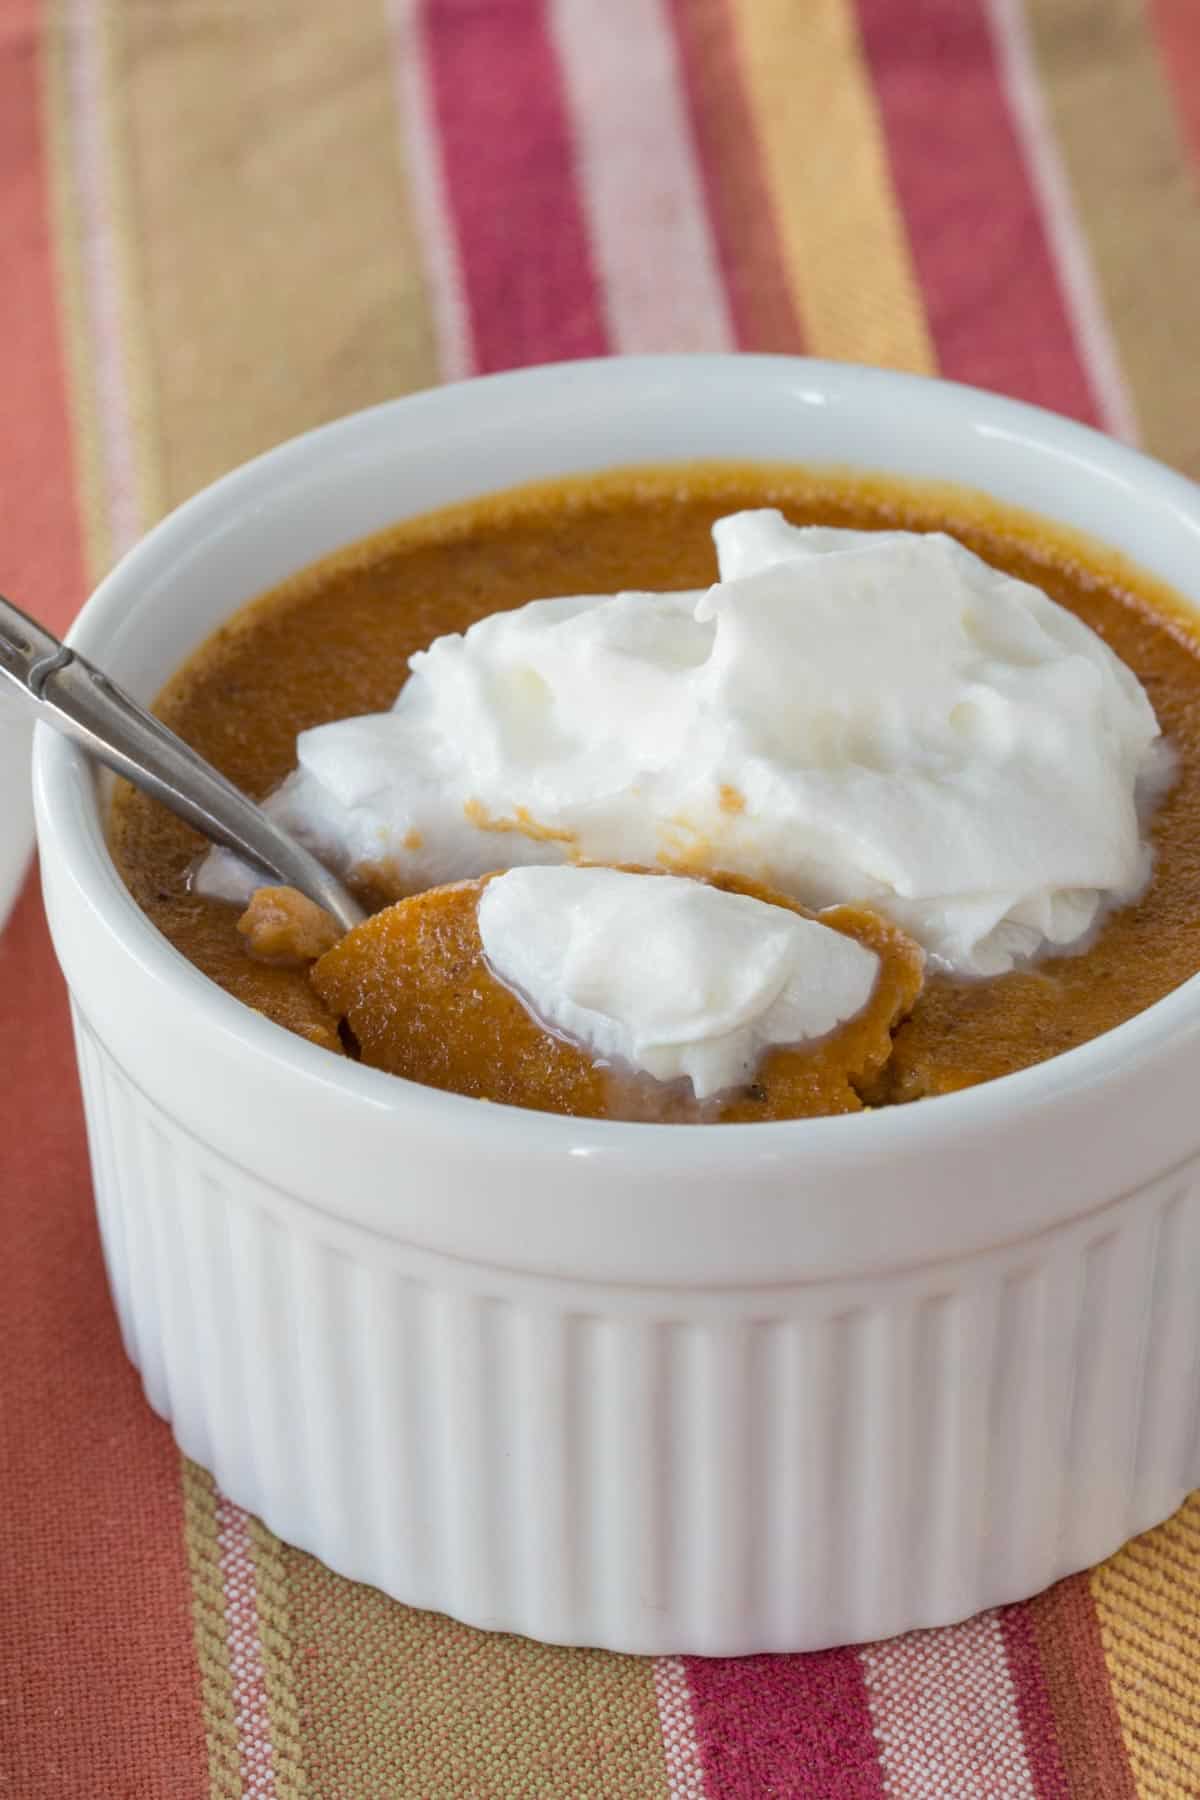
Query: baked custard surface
point(335, 640)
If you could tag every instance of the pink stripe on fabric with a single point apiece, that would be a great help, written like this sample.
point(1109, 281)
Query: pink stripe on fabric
point(91, 163)
point(640, 178)
point(250, 1710)
point(992, 294)
point(1068, 243)
point(508, 164)
point(946, 1715)
point(681, 1753)
point(1033, 1704)
point(443, 270)
point(793, 1727)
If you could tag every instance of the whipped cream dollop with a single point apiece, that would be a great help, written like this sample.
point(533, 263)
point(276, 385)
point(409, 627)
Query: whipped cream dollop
point(669, 976)
point(875, 717)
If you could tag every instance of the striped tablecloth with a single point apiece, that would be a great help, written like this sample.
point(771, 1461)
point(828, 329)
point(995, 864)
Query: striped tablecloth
point(222, 221)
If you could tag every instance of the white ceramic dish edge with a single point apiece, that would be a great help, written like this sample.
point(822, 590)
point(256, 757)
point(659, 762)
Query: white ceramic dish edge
point(522, 1369)
point(16, 806)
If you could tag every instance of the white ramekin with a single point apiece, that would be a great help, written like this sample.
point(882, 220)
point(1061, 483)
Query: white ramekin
point(766, 1387)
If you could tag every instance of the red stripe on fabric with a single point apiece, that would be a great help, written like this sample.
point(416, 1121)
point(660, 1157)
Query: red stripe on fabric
point(41, 556)
point(793, 1727)
point(532, 293)
point(1033, 1704)
point(992, 296)
point(1177, 23)
point(756, 284)
point(97, 1665)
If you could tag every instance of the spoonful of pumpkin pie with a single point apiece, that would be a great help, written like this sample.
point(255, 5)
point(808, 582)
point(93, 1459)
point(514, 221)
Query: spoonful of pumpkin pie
point(620, 993)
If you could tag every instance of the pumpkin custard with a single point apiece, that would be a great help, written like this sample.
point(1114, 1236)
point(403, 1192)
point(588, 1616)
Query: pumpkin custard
point(914, 825)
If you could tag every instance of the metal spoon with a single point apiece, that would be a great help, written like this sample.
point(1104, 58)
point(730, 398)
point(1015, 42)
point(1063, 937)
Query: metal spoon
point(76, 698)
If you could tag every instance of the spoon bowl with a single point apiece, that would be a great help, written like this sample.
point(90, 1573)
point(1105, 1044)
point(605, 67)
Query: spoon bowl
point(71, 694)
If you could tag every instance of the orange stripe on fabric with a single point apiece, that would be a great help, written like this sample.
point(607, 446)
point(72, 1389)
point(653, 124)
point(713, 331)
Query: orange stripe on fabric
point(840, 227)
point(1088, 1729)
point(281, 278)
point(96, 1655)
point(412, 1705)
point(1147, 1600)
point(739, 204)
point(1137, 198)
point(1178, 25)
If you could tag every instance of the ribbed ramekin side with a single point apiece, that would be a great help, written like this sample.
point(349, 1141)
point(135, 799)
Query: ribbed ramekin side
point(709, 1471)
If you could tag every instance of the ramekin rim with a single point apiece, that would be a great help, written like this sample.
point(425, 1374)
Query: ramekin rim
point(59, 766)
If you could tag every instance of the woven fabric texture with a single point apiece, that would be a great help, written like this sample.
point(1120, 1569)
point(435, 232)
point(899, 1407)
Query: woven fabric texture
point(224, 221)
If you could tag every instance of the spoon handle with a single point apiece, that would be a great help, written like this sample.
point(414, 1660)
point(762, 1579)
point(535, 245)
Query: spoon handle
point(69, 693)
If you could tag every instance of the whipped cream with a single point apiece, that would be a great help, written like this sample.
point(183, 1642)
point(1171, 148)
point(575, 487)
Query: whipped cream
point(668, 976)
point(847, 716)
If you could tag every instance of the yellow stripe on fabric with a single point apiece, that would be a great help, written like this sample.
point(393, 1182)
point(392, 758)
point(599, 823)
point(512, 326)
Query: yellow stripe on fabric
point(278, 1661)
point(1148, 1600)
point(411, 1705)
point(211, 1632)
point(281, 275)
point(1138, 201)
point(840, 228)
